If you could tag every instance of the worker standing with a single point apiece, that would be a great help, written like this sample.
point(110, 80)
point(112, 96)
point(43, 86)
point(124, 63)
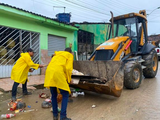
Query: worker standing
point(58, 75)
point(20, 71)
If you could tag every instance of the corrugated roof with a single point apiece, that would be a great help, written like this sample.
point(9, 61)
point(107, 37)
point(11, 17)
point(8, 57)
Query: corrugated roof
point(33, 13)
point(90, 23)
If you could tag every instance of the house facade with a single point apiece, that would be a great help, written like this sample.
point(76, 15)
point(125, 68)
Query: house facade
point(90, 36)
point(20, 30)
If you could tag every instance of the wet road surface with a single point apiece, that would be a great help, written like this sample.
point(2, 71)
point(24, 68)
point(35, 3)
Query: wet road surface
point(139, 104)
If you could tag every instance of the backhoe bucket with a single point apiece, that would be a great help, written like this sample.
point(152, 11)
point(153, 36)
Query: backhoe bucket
point(100, 76)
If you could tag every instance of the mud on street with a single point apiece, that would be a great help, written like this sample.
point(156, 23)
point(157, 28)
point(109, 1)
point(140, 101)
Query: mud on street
point(139, 104)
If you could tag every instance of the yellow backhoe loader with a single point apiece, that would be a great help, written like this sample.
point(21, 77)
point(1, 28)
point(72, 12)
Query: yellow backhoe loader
point(121, 61)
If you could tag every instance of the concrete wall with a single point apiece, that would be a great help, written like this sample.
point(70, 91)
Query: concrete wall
point(100, 31)
point(19, 19)
point(15, 21)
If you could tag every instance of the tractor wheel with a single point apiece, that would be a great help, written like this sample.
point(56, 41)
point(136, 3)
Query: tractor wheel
point(132, 75)
point(151, 64)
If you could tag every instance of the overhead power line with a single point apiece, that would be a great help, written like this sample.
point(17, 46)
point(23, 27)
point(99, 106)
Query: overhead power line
point(96, 6)
point(109, 6)
point(117, 5)
point(129, 5)
point(87, 13)
point(72, 6)
point(87, 7)
point(80, 16)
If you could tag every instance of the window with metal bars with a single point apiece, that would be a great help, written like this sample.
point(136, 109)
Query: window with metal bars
point(85, 44)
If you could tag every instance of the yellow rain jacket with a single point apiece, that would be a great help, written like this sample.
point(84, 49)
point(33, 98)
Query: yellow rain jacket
point(20, 70)
point(59, 71)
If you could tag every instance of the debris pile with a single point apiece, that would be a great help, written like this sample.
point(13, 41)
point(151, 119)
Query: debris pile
point(43, 95)
point(76, 72)
point(47, 103)
point(16, 107)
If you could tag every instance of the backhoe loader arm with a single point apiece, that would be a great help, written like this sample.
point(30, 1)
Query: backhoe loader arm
point(143, 12)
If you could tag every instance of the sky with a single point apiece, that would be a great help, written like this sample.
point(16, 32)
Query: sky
point(93, 10)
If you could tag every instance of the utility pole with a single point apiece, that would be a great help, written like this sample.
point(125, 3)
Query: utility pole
point(153, 10)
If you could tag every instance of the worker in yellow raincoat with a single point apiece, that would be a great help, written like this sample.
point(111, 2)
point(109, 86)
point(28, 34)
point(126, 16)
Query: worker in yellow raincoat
point(20, 71)
point(58, 75)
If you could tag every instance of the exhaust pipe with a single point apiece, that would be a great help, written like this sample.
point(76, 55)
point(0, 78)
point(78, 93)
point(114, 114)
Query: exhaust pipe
point(112, 24)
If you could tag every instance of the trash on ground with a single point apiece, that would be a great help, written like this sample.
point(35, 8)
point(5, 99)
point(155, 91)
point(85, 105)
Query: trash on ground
point(18, 104)
point(36, 101)
point(75, 94)
point(14, 106)
point(19, 110)
point(29, 106)
point(76, 72)
point(11, 102)
point(80, 93)
point(93, 106)
point(21, 105)
point(77, 89)
point(59, 109)
point(22, 110)
point(46, 104)
point(48, 100)
point(72, 89)
point(7, 116)
point(31, 110)
point(43, 95)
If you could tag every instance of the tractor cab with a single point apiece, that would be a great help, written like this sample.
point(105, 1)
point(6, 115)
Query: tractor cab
point(132, 25)
point(122, 60)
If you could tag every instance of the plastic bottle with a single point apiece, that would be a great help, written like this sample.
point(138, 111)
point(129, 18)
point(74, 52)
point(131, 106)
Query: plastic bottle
point(7, 116)
point(13, 106)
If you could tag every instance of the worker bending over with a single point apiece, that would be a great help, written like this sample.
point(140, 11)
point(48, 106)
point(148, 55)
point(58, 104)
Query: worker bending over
point(58, 75)
point(20, 71)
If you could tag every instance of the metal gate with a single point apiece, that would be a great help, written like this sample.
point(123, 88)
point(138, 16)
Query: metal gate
point(12, 43)
point(85, 44)
point(55, 43)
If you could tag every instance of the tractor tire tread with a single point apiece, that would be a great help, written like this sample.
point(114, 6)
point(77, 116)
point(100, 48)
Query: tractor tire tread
point(148, 71)
point(128, 72)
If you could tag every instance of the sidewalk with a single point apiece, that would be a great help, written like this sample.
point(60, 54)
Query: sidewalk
point(6, 83)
